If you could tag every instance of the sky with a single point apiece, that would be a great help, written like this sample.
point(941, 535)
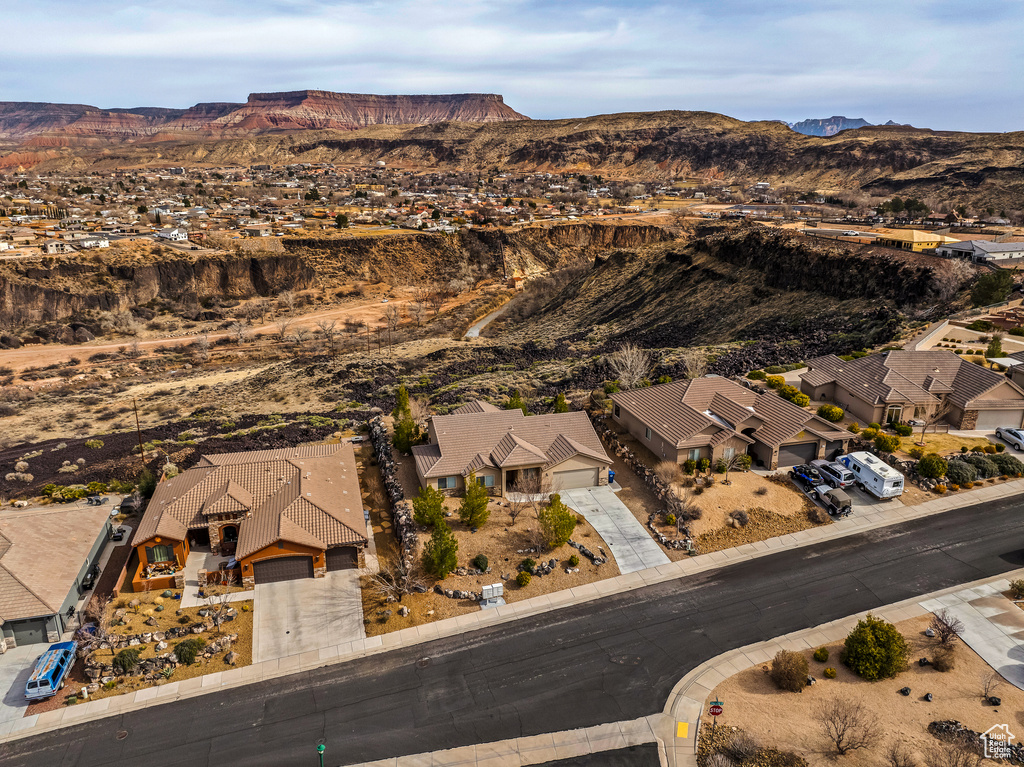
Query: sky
point(931, 63)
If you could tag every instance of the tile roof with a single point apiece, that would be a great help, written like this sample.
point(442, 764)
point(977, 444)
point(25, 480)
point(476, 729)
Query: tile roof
point(916, 377)
point(307, 495)
point(711, 410)
point(41, 555)
point(488, 437)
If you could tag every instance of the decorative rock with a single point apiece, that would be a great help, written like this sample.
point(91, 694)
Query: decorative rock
point(994, 701)
point(133, 641)
point(161, 645)
point(403, 611)
point(904, 691)
point(158, 636)
point(929, 632)
point(167, 594)
point(231, 658)
point(928, 697)
point(924, 662)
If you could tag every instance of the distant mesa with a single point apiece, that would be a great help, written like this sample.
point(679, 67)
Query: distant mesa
point(830, 126)
point(261, 113)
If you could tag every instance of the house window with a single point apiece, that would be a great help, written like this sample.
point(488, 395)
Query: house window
point(648, 433)
point(728, 453)
point(617, 412)
point(893, 413)
point(487, 480)
point(159, 553)
point(694, 454)
point(447, 483)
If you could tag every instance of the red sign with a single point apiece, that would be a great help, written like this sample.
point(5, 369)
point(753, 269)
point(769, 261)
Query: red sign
point(715, 710)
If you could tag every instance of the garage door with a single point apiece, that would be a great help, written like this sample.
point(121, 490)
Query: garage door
point(832, 449)
point(567, 480)
point(283, 569)
point(791, 455)
point(342, 558)
point(993, 419)
point(29, 632)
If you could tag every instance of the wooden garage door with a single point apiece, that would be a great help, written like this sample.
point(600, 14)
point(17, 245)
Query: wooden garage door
point(342, 558)
point(567, 480)
point(283, 569)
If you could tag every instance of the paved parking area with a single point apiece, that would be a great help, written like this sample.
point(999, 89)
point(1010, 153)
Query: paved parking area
point(632, 545)
point(293, 617)
point(15, 666)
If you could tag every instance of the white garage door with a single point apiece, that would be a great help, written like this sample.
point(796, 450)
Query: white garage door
point(992, 419)
point(567, 480)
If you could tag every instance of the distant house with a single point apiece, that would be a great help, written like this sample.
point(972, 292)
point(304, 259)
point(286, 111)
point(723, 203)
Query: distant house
point(257, 230)
point(498, 446)
point(91, 243)
point(57, 247)
point(911, 239)
point(981, 250)
point(174, 235)
point(899, 386)
point(715, 418)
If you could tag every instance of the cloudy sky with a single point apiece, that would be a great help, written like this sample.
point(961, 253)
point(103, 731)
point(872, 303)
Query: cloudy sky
point(932, 63)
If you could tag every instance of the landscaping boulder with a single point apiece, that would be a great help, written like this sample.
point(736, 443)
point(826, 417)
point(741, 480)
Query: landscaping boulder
point(231, 658)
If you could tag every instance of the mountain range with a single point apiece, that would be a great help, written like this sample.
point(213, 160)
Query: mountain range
point(830, 126)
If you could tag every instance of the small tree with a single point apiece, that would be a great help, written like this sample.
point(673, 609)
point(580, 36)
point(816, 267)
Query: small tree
point(898, 754)
point(789, 671)
point(995, 346)
point(561, 406)
point(441, 553)
point(516, 401)
point(474, 511)
point(694, 362)
point(934, 417)
point(396, 576)
point(847, 724)
point(523, 493)
point(556, 522)
point(932, 466)
point(875, 649)
point(341, 221)
point(218, 596)
point(630, 364)
point(428, 507)
point(947, 627)
point(739, 462)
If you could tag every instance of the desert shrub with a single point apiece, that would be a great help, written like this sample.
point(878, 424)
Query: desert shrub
point(831, 413)
point(869, 434)
point(916, 452)
point(523, 579)
point(1017, 588)
point(985, 466)
point(721, 466)
point(667, 471)
point(94, 444)
point(789, 671)
point(875, 426)
point(829, 673)
point(775, 382)
point(944, 659)
point(1007, 464)
point(689, 466)
point(932, 466)
point(887, 443)
point(189, 649)
point(1000, 447)
point(990, 449)
point(953, 487)
point(742, 747)
point(741, 517)
point(801, 400)
point(821, 654)
point(756, 375)
point(940, 489)
point(903, 430)
point(960, 472)
point(761, 491)
point(574, 560)
point(19, 476)
point(774, 369)
point(968, 485)
point(854, 428)
point(126, 660)
point(21, 466)
point(480, 562)
point(875, 649)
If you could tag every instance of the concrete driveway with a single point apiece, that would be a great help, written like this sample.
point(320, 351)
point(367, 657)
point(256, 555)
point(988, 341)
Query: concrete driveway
point(15, 666)
point(629, 541)
point(293, 617)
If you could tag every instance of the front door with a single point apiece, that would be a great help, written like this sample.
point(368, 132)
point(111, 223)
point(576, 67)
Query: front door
point(228, 539)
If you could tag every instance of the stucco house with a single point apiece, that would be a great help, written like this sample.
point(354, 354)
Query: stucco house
point(498, 446)
point(716, 418)
point(37, 589)
point(899, 386)
point(284, 514)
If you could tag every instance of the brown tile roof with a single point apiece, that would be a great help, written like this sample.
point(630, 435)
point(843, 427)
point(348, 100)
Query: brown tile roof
point(307, 495)
point(476, 406)
point(915, 377)
point(708, 411)
point(505, 438)
point(41, 555)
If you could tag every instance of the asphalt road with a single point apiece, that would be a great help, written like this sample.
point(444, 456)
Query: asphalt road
point(608, 660)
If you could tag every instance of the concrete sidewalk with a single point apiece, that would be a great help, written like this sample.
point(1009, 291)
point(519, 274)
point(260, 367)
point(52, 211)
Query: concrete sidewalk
point(349, 650)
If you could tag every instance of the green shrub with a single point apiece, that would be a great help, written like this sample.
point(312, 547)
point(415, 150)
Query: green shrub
point(528, 564)
point(869, 434)
point(774, 369)
point(440, 554)
point(960, 472)
point(480, 562)
point(94, 444)
point(721, 465)
point(916, 452)
point(127, 659)
point(932, 466)
point(611, 387)
point(801, 400)
point(875, 649)
point(756, 375)
point(829, 673)
point(963, 448)
point(189, 649)
point(428, 506)
point(574, 560)
point(990, 449)
point(854, 428)
point(523, 579)
point(887, 443)
point(1016, 331)
point(875, 426)
point(903, 430)
point(831, 413)
point(689, 466)
point(821, 654)
point(1017, 588)
point(1000, 447)
point(985, 466)
point(775, 382)
point(789, 671)
point(1008, 464)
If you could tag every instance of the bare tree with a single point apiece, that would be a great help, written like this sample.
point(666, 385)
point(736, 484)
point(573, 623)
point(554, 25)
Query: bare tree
point(951, 755)
point(436, 300)
point(947, 627)
point(397, 576)
point(990, 684)
point(329, 330)
point(99, 614)
point(934, 417)
point(521, 492)
point(420, 410)
point(898, 754)
point(218, 595)
point(133, 349)
point(455, 287)
point(630, 364)
point(282, 328)
point(847, 724)
point(286, 300)
point(392, 316)
point(240, 332)
point(301, 336)
point(202, 345)
point(694, 362)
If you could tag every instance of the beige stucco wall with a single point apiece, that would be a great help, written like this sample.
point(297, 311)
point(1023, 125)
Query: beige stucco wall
point(661, 447)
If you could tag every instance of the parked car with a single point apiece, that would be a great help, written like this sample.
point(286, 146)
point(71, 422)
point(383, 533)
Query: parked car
point(834, 474)
point(90, 577)
point(806, 476)
point(836, 501)
point(1012, 437)
point(358, 438)
point(874, 475)
point(50, 671)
